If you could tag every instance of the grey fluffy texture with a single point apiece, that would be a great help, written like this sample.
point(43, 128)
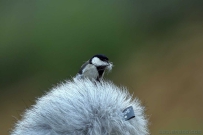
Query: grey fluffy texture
point(83, 107)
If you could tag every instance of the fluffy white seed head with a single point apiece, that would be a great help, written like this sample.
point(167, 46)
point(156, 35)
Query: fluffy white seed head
point(83, 107)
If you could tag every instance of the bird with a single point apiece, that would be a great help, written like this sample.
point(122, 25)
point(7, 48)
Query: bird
point(94, 68)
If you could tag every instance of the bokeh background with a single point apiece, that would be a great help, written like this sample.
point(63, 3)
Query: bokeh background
point(156, 47)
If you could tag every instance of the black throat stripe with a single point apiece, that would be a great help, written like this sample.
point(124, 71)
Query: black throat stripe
point(100, 70)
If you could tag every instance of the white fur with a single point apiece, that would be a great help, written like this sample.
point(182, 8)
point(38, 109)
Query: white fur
point(83, 107)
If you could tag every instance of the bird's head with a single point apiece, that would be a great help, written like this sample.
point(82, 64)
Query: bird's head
point(101, 62)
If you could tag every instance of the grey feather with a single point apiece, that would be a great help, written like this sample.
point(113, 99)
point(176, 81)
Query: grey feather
point(89, 72)
point(83, 107)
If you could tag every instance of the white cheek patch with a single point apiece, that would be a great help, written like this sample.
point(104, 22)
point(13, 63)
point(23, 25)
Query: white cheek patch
point(97, 62)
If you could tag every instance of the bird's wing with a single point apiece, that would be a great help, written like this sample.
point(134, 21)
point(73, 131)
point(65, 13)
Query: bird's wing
point(82, 67)
point(90, 71)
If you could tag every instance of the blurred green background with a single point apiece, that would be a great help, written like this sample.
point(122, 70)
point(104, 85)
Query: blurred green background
point(156, 47)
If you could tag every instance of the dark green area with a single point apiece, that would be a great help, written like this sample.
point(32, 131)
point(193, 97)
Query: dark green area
point(54, 38)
